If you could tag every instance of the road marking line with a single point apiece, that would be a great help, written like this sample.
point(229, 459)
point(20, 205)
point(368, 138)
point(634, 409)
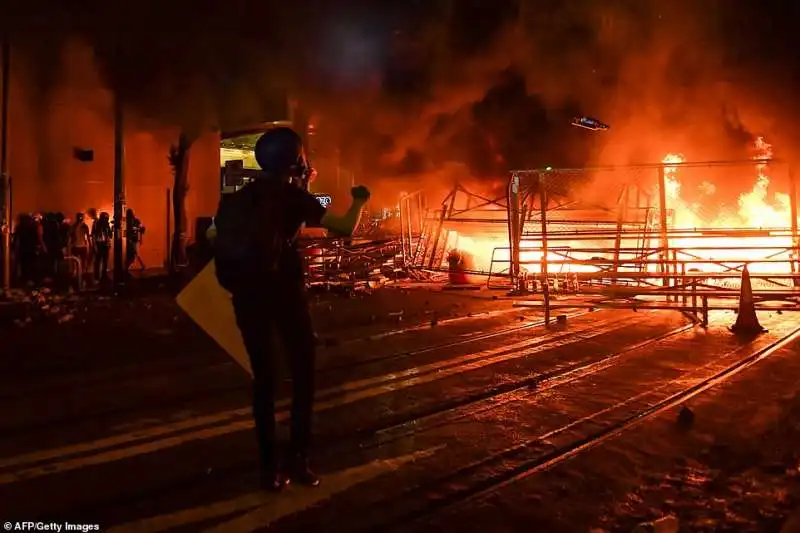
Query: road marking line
point(124, 438)
point(268, 508)
point(201, 421)
point(471, 362)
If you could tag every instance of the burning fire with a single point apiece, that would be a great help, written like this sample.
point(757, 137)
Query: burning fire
point(755, 209)
point(722, 237)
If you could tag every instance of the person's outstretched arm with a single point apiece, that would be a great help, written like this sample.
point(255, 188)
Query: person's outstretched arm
point(346, 224)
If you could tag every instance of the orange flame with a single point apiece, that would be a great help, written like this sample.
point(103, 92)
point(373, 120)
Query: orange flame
point(758, 208)
point(755, 210)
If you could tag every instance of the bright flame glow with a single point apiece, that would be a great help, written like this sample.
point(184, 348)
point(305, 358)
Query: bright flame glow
point(756, 209)
point(688, 209)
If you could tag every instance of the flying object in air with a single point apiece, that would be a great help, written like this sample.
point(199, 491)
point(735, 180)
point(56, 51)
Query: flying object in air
point(589, 123)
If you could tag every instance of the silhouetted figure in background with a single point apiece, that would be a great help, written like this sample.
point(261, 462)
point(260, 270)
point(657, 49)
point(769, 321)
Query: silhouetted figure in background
point(101, 238)
point(64, 228)
point(91, 215)
point(62, 231)
point(134, 236)
point(26, 243)
point(80, 241)
point(52, 253)
point(91, 220)
point(41, 247)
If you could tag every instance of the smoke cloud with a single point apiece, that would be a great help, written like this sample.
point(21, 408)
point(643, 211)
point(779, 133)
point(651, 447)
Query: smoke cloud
point(676, 77)
point(406, 91)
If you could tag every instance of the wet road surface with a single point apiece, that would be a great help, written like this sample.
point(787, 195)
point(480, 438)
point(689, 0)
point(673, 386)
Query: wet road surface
point(412, 428)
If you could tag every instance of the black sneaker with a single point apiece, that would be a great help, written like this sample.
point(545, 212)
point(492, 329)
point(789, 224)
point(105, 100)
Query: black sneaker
point(296, 469)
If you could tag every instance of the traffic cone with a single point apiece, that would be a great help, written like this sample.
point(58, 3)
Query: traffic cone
point(746, 319)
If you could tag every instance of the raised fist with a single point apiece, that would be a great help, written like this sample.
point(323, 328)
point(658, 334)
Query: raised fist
point(360, 193)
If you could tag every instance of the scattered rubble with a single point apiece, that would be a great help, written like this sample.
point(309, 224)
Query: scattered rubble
point(665, 524)
point(26, 306)
point(710, 500)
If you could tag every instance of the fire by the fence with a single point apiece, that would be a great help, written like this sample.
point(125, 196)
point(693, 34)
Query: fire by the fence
point(491, 254)
point(702, 234)
point(758, 208)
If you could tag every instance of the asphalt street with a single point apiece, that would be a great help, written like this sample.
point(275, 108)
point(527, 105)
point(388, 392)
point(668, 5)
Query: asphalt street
point(128, 416)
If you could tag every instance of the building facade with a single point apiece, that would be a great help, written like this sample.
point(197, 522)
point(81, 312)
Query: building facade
point(47, 132)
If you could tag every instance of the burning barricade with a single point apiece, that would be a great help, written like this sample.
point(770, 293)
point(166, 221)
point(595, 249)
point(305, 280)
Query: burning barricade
point(673, 230)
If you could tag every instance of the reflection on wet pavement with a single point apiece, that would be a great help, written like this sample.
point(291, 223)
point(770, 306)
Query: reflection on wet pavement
point(405, 438)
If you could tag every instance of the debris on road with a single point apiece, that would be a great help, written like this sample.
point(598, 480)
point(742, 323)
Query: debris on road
point(65, 318)
point(665, 524)
point(24, 307)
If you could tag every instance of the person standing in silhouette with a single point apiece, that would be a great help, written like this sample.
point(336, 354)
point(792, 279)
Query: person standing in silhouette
point(101, 239)
point(80, 241)
point(134, 236)
point(257, 260)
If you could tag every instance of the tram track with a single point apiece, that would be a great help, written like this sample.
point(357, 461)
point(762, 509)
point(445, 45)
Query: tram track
point(239, 418)
point(232, 470)
point(513, 392)
point(444, 345)
point(389, 433)
point(479, 478)
point(455, 409)
point(184, 399)
point(172, 364)
point(482, 477)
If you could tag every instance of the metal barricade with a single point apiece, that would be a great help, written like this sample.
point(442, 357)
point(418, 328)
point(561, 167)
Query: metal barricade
point(78, 268)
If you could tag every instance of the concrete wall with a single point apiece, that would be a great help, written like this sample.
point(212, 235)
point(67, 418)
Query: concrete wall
point(44, 131)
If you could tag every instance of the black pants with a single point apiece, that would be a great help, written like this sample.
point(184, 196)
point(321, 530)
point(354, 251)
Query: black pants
point(132, 254)
point(101, 261)
point(281, 308)
point(29, 266)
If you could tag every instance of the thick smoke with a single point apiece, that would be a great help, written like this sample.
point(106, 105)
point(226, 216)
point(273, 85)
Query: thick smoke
point(198, 65)
point(488, 85)
point(669, 77)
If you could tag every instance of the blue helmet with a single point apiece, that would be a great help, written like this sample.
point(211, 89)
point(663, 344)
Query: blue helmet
point(280, 151)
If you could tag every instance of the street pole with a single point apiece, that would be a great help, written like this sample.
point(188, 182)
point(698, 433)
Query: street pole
point(662, 210)
point(119, 191)
point(5, 179)
point(513, 229)
point(795, 254)
point(544, 268)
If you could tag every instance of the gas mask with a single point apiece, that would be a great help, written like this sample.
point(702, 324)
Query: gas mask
point(302, 173)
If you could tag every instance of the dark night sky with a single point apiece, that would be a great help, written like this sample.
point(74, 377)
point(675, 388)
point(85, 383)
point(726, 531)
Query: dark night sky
point(411, 85)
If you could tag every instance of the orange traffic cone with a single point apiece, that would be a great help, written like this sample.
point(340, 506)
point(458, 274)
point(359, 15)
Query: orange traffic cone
point(746, 319)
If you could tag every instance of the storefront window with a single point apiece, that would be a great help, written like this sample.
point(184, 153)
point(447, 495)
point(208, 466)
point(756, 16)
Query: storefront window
point(232, 154)
point(240, 147)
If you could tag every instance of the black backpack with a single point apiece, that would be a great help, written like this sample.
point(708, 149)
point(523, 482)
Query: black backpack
point(249, 242)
